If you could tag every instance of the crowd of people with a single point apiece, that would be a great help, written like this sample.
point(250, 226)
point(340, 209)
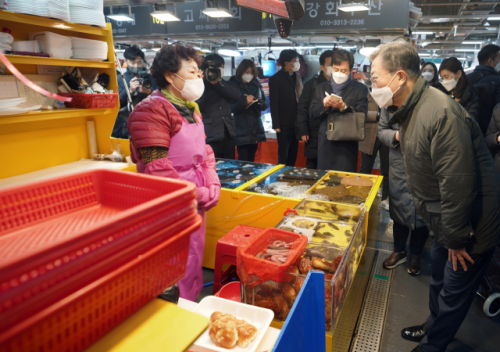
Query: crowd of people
point(437, 132)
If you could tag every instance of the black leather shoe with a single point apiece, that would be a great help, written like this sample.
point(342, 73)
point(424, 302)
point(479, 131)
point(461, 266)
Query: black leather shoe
point(414, 333)
point(416, 349)
point(394, 260)
point(414, 265)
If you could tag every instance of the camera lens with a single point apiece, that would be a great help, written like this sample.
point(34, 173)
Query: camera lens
point(213, 74)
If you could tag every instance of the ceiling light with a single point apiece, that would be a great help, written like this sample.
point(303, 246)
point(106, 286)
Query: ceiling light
point(217, 12)
point(156, 49)
point(354, 6)
point(201, 49)
point(467, 50)
point(367, 51)
point(494, 18)
point(421, 32)
point(227, 52)
point(122, 17)
point(486, 24)
point(472, 42)
point(165, 16)
point(348, 47)
point(424, 55)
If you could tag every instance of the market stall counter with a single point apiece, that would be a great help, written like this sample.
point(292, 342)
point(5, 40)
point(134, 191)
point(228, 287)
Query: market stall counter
point(263, 200)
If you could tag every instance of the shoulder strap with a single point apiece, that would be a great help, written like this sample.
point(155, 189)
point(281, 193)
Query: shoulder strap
point(313, 90)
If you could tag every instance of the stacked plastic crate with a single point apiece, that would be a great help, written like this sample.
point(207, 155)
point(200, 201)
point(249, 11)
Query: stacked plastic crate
point(81, 253)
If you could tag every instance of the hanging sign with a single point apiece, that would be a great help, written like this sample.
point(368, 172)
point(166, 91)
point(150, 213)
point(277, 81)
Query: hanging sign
point(325, 16)
point(194, 21)
point(141, 25)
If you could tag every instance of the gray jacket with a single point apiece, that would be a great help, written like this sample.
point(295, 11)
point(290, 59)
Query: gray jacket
point(401, 206)
point(449, 170)
point(492, 136)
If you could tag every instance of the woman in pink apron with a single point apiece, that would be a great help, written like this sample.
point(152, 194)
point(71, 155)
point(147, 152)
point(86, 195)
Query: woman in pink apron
point(167, 138)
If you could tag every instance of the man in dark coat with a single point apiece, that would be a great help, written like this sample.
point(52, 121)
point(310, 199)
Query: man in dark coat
point(285, 88)
point(493, 136)
point(406, 220)
point(486, 80)
point(135, 76)
point(307, 129)
point(338, 155)
point(454, 182)
point(215, 108)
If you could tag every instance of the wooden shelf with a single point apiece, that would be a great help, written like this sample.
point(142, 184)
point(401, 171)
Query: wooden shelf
point(50, 23)
point(34, 60)
point(45, 115)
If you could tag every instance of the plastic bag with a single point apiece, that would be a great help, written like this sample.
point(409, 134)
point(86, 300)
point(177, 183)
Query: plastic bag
point(253, 270)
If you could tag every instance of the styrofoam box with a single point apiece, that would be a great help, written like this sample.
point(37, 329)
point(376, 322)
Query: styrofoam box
point(261, 318)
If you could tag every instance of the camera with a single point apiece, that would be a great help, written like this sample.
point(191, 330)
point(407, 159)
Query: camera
point(212, 71)
point(144, 80)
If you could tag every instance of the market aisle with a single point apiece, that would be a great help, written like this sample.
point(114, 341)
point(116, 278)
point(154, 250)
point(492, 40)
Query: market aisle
point(408, 305)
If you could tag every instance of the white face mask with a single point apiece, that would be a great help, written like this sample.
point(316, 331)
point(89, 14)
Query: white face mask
point(329, 71)
point(247, 77)
point(449, 84)
point(429, 76)
point(339, 77)
point(296, 66)
point(383, 96)
point(193, 88)
point(221, 71)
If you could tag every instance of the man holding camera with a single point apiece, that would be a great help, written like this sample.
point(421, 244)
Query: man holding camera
point(140, 84)
point(215, 107)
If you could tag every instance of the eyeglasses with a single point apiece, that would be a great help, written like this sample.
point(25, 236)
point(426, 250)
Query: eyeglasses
point(373, 80)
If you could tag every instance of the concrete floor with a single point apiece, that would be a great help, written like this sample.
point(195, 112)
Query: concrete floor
point(408, 300)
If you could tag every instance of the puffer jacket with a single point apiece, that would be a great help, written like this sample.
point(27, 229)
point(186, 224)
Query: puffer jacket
point(449, 170)
point(470, 102)
point(215, 106)
point(152, 124)
point(401, 206)
point(249, 126)
point(486, 81)
point(492, 136)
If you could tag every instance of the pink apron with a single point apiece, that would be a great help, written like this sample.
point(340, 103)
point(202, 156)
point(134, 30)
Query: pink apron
point(187, 152)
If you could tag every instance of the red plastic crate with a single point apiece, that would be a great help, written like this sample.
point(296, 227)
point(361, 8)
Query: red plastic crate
point(55, 231)
point(80, 319)
point(253, 270)
point(91, 101)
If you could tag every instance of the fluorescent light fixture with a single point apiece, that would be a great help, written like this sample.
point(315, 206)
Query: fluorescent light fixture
point(165, 16)
point(354, 6)
point(347, 47)
point(367, 51)
point(424, 55)
point(217, 12)
point(423, 32)
point(119, 50)
point(227, 52)
point(120, 17)
point(472, 42)
point(156, 49)
point(201, 49)
point(467, 50)
point(494, 18)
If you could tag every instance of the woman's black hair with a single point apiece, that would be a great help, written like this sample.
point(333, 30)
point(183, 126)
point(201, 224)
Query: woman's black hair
point(168, 59)
point(342, 55)
point(435, 79)
point(243, 66)
point(453, 65)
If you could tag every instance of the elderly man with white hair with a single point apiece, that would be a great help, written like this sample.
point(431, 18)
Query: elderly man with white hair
point(454, 183)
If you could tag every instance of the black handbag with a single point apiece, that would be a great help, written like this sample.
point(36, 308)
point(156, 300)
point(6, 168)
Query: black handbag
point(346, 127)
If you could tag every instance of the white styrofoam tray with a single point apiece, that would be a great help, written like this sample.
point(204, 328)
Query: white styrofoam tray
point(261, 318)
